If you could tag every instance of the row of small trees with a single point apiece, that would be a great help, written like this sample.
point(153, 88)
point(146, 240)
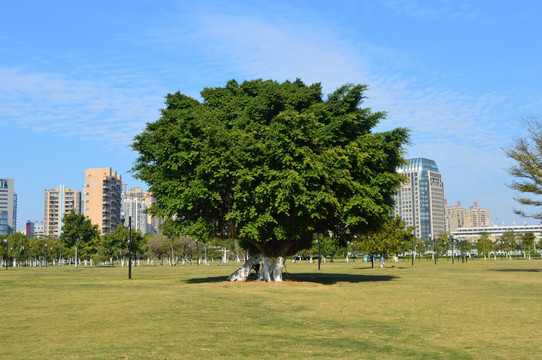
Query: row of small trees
point(395, 238)
point(82, 240)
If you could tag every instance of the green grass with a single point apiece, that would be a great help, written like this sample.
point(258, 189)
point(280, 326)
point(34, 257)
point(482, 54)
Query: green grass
point(478, 310)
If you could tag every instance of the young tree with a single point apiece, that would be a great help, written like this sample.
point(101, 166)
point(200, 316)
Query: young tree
point(271, 164)
point(112, 244)
point(157, 246)
point(527, 154)
point(527, 243)
point(78, 232)
point(389, 239)
point(173, 237)
point(443, 243)
point(484, 245)
point(508, 241)
point(16, 243)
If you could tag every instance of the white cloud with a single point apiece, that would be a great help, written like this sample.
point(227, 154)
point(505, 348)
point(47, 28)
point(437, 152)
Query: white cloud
point(71, 107)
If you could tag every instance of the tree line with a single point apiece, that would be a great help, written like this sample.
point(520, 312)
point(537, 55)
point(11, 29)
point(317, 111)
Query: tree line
point(81, 240)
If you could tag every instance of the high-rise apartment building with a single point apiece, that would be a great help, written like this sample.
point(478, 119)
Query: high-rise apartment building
point(153, 222)
point(8, 207)
point(102, 198)
point(133, 206)
point(57, 203)
point(458, 217)
point(420, 201)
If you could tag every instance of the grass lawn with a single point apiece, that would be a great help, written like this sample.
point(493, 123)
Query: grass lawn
point(477, 310)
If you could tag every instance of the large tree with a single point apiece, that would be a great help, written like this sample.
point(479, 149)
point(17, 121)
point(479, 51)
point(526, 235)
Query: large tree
point(271, 164)
point(527, 169)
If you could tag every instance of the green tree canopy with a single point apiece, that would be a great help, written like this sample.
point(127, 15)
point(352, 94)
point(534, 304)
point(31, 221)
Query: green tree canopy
point(527, 242)
point(271, 164)
point(389, 239)
point(484, 244)
point(115, 244)
point(77, 230)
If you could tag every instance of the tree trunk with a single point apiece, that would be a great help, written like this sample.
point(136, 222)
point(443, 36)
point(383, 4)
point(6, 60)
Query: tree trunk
point(242, 273)
point(270, 270)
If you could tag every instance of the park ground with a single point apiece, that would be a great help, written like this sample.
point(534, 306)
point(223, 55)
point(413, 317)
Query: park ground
point(482, 309)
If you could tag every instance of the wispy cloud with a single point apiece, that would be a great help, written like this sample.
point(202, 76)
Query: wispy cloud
point(437, 9)
point(462, 129)
point(229, 45)
point(71, 107)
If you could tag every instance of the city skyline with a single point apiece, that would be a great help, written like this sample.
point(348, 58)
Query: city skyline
point(78, 80)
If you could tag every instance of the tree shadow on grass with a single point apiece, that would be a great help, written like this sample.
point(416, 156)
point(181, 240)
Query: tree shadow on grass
point(330, 279)
point(318, 278)
point(210, 279)
point(517, 270)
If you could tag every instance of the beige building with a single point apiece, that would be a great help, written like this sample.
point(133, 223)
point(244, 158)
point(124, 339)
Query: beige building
point(56, 203)
point(102, 198)
point(458, 218)
point(153, 222)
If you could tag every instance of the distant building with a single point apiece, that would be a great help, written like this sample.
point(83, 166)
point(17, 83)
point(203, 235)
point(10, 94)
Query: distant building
point(135, 203)
point(420, 201)
point(33, 230)
point(458, 217)
point(8, 207)
point(39, 230)
point(57, 203)
point(153, 222)
point(29, 229)
point(102, 198)
point(134, 206)
point(472, 234)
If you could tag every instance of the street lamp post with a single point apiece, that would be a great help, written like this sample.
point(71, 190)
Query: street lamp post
point(6, 259)
point(319, 252)
point(22, 252)
point(412, 253)
point(45, 255)
point(435, 249)
point(129, 247)
point(453, 249)
point(129, 242)
point(197, 250)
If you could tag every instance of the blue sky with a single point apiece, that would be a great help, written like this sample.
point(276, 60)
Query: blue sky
point(78, 79)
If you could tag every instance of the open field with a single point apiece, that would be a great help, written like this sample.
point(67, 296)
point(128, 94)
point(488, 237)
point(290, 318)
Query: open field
point(478, 310)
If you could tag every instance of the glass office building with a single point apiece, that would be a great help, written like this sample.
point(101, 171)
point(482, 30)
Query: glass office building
point(8, 207)
point(420, 201)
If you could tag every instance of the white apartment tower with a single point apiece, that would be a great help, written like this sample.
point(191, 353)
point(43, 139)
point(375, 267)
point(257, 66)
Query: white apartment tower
point(57, 203)
point(134, 206)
